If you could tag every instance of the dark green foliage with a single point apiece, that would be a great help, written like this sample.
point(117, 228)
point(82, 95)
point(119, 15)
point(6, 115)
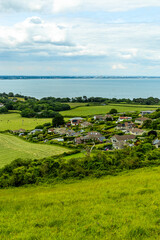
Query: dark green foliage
point(21, 172)
point(155, 125)
point(112, 111)
point(3, 110)
point(57, 120)
point(28, 113)
point(152, 133)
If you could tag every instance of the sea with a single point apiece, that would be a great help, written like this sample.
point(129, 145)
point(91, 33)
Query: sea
point(108, 87)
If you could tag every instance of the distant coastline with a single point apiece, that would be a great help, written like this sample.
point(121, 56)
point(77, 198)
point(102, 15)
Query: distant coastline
point(13, 77)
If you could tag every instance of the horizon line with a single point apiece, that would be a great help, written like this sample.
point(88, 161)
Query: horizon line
point(80, 76)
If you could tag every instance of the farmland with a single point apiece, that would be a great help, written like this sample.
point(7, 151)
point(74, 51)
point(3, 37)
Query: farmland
point(12, 147)
point(14, 121)
point(92, 110)
point(75, 105)
point(113, 208)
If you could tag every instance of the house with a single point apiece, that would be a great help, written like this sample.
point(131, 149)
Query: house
point(35, 131)
point(19, 131)
point(91, 136)
point(125, 126)
point(141, 120)
point(21, 134)
point(1, 105)
point(79, 140)
point(58, 139)
point(147, 112)
point(108, 117)
point(120, 119)
point(103, 118)
point(51, 130)
point(118, 138)
point(95, 136)
point(86, 124)
point(76, 121)
point(137, 131)
point(156, 143)
point(120, 141)
point(71, 133)
point(68, 124)
point(60, 131)
point(98, 117)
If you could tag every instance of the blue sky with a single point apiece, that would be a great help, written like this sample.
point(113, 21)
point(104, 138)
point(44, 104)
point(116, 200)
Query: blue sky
point(80, 37)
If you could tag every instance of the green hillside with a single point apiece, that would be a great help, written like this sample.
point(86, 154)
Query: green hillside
point(12, 147)
point(93, 110)
point(124, 207)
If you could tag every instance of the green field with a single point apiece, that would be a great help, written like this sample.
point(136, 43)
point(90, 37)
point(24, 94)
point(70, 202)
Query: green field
point(125, 207)
point(75, 105)
point(93, 110)
point(12, 147)
point(14, 121)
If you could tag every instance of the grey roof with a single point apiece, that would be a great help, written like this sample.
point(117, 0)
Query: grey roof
point(124, 137)
point(142, 119)
point(156, 141)
point(76, 118)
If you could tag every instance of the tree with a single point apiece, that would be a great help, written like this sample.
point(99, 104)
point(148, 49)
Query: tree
point(57, 120)
point(152, 134)
point(113, 110)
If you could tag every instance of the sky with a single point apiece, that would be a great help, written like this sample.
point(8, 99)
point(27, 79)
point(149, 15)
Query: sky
point(80, 37)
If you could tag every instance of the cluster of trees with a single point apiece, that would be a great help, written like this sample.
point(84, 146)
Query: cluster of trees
point(141, 101)
point(21, 172)
point(43, 114)
point(3, 110)
point(85, 99)
point(149, 124)
point(32, 107)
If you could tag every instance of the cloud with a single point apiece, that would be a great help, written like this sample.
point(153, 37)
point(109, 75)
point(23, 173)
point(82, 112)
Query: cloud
point(70, 5)
point(113, 45)
point(118, 66)
point(128, 53)
point(63, 5)
point(32, 34)
point(35, 20)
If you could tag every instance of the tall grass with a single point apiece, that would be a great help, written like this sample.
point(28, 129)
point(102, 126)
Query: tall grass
point(124, 207)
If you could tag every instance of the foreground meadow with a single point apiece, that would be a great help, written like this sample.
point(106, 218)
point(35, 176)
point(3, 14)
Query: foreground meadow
point(12, 147)
point(120, 207)
point(85, 111)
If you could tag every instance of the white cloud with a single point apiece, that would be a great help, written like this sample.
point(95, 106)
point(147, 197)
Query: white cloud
point(118, 66)
point(128, 53)
point(33, 33)
point(63, 5)
point(69, 5)
point(116, 44)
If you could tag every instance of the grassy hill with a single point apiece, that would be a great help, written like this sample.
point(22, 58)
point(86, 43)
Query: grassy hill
point(12, 147)
point(93, 110)
point(124, 207)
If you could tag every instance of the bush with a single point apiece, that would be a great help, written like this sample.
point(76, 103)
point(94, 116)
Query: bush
point(113, 110)
point(21, 172)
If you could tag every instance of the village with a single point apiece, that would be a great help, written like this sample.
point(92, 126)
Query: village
point(104, 132)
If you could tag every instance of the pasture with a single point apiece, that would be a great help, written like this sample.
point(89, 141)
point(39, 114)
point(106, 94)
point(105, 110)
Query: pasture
point(93, 110)
point(122, 207)
point(14, 121)
point(12, 147)
point(75, 105)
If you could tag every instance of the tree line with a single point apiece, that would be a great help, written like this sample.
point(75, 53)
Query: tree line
point(51, 169)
